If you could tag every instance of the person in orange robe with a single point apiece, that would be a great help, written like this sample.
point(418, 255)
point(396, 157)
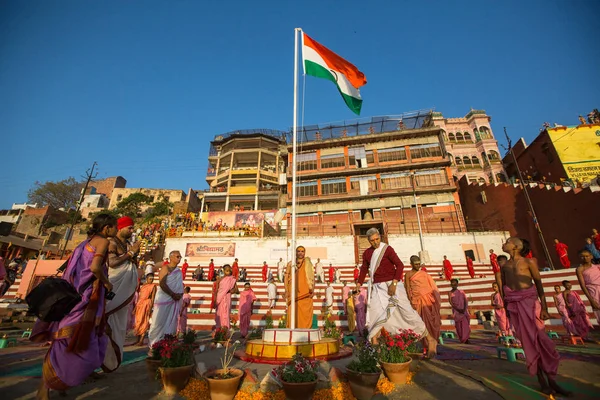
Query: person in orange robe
point(562, 252)
point(331, 273)
point(184, 268)
point(305, 286)
point(265, 271)
point(235, 270)
point(470, 267)
point(143, 309)
point(494, 261)
point(424, 297)
point(211, 270)
point(448, 270)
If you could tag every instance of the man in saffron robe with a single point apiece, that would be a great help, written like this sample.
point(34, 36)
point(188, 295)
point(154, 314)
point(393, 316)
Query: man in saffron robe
point(247, 297)
point(448, 270)
point(265, 271)
point(588, 275)
point(184, 268)
point(78, 340)
point(143, 309)
point(470, 267)
point(331, 273)
point(388, 304)
point(186, 300)
point(494, 261)
point(235, 270)
point(305, 286)
point(360, 306)
point(562, 252)
point(424, 296)
point(211, 271)
point(123, 274)
point(561, 306)
point(499, 311)
point(460, 312)
point(349, 305)
point(577, 311)
point(167, 302)
point(356, 273)
point(225, 288)
point(521, 286)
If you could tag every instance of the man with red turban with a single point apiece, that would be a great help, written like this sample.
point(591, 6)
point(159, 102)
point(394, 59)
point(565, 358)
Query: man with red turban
point(123, 275)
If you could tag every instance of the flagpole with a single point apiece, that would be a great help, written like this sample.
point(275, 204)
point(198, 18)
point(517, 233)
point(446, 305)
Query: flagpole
point(293, 310)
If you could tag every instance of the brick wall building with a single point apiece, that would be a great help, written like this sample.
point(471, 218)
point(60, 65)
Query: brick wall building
point(106, 186)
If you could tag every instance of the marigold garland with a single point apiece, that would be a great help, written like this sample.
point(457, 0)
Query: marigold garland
point(384, 386)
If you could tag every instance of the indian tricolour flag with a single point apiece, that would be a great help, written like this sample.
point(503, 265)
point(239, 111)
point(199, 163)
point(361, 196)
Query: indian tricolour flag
point(321, 62)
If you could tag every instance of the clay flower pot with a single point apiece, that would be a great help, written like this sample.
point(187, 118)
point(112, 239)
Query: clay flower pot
point(416, 357)
point(152, 368)
point(299, 390)
point(223, 389)
point(362, 384)
point(396, 372)
point(175, 379)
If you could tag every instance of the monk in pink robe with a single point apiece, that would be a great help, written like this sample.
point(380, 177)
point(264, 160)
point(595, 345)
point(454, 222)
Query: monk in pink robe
point(424, 297)
point(499, 310)
point(360, 308)
point(523, 292)
point(577, 312)
point(225, 288)
point(470, 267)
point(448, 270)
point(588, 275)
point(561, 306)
point(460, 312)
point(247, 297)
point(186, 300)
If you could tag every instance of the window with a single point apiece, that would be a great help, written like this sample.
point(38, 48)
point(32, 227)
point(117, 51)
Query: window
point(306, 189)
point(393, 154)
point(458, 160)
point(333, 186)
point(395, 181)
point(371, 183)
point(166, 198)
point(119, 197)
point(475, 161)
point(459, 136)
point(370, 157)
point(451, 137)
point(431, 178)
point(467, 137)
point(307, 161)
point(356, 156)
point(332, 161)
point(494, 156)
point(425, 150)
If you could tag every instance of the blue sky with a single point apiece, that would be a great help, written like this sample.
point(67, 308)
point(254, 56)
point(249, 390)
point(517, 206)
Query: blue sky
point(142, 86)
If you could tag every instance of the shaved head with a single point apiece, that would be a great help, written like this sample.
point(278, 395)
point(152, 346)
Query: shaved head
point(517, 242)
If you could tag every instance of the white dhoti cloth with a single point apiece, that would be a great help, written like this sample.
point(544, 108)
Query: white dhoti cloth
point(165, 316)
point(271, 294)
point(124, 279)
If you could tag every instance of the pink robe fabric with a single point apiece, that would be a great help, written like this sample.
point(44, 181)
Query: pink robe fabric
point(360, 307)
point(247, 297)
point(524, 310)
point(500, 314)
point(224, 301)
point(186, 299)
point(462, 322)
point(591, 277)
point(578, 314)
point(345, 294)
point(564, 314)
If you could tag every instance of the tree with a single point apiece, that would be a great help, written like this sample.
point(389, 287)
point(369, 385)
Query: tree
point(161, 207)
point(61, 194)
point(132, 204)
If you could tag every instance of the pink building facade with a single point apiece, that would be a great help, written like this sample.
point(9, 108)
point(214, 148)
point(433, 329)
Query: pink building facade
point(472, 147)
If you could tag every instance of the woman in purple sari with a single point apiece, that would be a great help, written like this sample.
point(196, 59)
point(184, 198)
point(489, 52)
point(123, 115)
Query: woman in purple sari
point(78, 340)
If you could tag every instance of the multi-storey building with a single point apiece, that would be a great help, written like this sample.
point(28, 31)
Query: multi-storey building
point(380, 173)
point(471, 146)
point(244, 171)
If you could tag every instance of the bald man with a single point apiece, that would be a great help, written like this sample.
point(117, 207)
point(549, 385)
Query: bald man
point(305, 286)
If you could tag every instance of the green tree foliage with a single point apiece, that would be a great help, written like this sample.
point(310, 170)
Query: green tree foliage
point(61, 194)
point(132, 205)
point(160, 208)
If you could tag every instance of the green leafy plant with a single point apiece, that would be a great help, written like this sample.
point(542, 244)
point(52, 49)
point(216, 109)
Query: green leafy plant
point(395, 348)
point(157, 347)
point(330, 330)
point(255, 334)
point(221, 334)
point(269, 320)
point(189, 337)
point(299, 369)
point(366, 358)
point(227, 358)
point(282, 322)
point(174, 353)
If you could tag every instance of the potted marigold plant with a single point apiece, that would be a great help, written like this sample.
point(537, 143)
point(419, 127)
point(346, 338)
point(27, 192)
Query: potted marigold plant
point(153, 361)
point(298, 377)
point(363, 372)
point(393, 356)
point(176, 365)
point(223, 383)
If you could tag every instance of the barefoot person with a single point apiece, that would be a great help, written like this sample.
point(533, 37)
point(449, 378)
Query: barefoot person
point(588, 275)
point(226, 286)
point(424, 297)
point(320, 271)
point(186, 300)
point(305, 287)
point(523, 292)
point(470, 267)
point(388, 306)
point(460, 312)
point(351, 310)
point(577, 311)
point(499, 311)
point(561, 306)
point(247, 298)
point(360, 306)
point(447, 268)
point(123, 274)
point(271, 293)
point(143, 309)
point(78, 341)
point(167, 303)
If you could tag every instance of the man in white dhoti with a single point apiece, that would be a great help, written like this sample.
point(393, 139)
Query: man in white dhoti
point(319, 271)
point(271, 293)
point(280, 265)
point(338, 275)
point(167, 302)
point(388, 305)
point(123, 274)
point(329, 298)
